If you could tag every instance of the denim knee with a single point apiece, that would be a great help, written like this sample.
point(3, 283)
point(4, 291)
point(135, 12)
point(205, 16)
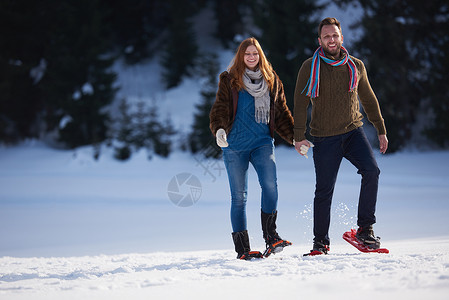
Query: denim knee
point(239, 199)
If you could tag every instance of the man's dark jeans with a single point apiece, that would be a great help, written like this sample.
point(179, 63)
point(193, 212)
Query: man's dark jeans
point(327, 155)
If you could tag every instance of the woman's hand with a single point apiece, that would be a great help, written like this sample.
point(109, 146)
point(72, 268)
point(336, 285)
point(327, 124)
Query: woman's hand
point(303, 146)
point(221, 138)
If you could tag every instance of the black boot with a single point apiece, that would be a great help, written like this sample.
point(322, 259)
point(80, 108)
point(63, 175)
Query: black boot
point(241, 243)
point(365, 234)
point(319, 247)
point(272, 239)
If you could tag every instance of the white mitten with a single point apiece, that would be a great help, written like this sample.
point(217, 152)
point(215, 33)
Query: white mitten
point(221, 138)
point(304, 149)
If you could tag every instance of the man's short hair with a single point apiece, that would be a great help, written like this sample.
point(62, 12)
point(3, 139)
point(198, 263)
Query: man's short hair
point(328, 21)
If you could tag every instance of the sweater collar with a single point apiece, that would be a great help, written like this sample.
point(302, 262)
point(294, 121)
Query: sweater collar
point(340, 56)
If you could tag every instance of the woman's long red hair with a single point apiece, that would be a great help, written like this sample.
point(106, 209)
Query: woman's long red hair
point(237, 66)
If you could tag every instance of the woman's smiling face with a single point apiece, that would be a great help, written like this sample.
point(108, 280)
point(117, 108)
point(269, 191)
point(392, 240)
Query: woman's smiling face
point(251, 57)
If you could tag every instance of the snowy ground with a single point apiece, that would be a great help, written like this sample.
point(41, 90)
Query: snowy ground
point(73, 227)
point(414, 270)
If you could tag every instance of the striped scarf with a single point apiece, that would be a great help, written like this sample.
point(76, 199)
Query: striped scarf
point(313, 84)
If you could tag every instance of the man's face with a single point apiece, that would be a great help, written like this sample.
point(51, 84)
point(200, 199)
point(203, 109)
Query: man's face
point(331, 40)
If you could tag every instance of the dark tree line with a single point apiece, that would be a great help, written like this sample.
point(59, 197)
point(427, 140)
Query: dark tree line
point(56, 58)
point(286, 32)
point(54, 66)
point(405, 45)
point(138, 127)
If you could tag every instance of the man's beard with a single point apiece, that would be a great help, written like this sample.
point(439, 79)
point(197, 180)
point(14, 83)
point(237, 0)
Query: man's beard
point(335, 53)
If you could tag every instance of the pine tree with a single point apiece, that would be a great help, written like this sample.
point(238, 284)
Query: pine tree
point(157, 134)
point(25, 34)
point(409, 68)
point(138, 127)
point(56, 71)
point(229, 20)
point(431, 34)
point(288, 36)
point(121, 132)
point(162, 142)
point(180, 48)
point(201, 139)
point(78, 79)
point(391, 69)
point(135, 26)
point(141, 119)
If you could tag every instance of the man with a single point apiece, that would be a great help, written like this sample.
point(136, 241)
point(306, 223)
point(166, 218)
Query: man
point(333, 81)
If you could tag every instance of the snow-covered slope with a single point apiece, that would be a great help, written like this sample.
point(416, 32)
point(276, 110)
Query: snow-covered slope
point(415, 269)
point(73, 227)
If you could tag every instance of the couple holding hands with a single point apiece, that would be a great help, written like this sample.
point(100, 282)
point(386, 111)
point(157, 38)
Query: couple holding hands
point(250, 106)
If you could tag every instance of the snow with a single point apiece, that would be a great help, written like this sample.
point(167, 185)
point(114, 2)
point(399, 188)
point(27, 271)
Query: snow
point(74, 227)
point(38, 72)
point(348, 15)
point(215, 274)
point(87, 89)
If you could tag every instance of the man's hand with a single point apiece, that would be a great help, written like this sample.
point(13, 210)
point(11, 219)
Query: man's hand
point(383, 143)
point(302, 147)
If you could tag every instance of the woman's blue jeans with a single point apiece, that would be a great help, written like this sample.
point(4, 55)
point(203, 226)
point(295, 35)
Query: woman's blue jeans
point(237, 163)
point(327, 156)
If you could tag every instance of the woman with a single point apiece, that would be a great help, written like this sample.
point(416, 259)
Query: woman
point(250, 105)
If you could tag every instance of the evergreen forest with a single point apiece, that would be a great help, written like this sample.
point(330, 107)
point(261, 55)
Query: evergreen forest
point(56, 57)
